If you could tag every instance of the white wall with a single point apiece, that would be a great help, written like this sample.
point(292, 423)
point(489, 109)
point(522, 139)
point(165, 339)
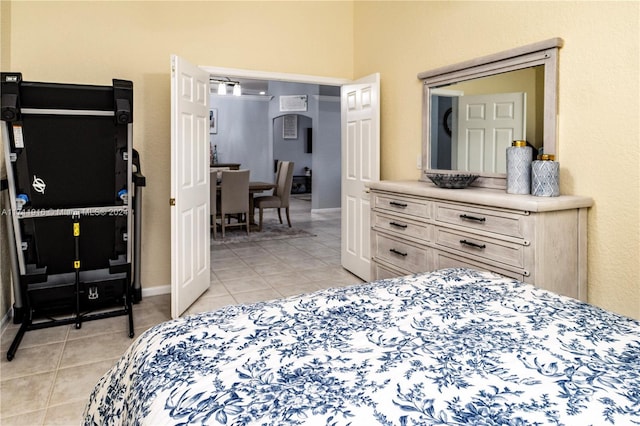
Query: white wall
point(292, 149)
point(327, 155)
point(326, 170)
point(244, 134)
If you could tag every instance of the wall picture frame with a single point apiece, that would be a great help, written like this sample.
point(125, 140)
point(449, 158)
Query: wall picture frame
point(290, 126)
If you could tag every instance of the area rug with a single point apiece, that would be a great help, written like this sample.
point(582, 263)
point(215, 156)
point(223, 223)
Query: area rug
point(270, 231)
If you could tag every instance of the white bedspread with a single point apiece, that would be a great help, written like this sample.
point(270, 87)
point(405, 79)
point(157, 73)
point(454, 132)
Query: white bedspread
point(451, 347)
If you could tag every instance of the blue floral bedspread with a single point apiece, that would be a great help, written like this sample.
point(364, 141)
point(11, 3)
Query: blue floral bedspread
point(446, 348)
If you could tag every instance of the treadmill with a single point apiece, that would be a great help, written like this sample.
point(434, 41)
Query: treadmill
point(73, 192)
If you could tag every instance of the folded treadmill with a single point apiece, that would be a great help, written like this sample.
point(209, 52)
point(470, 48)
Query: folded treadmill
point(73, 191)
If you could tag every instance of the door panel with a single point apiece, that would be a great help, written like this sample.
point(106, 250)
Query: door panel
point(360, 165)
point(190, 233)
point(368, 155)
point(351, 149)
point(487, 124)
point(350, 243)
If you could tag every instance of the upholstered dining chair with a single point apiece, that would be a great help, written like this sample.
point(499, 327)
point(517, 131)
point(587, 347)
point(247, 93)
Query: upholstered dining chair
point(216, 173)
point(280, 198)
point(234, 199)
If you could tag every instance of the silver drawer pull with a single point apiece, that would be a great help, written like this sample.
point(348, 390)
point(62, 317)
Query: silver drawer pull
point(398, 252)
point(472, 244)
point(397, 204)
point(398, 225)
point(477, 219)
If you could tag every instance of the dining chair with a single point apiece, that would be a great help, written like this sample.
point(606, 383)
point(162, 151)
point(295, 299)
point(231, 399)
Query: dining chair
point(217, 173)
point(280, 198)
point(234, 199)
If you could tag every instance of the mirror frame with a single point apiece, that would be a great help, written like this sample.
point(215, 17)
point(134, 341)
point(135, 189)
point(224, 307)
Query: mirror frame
point(541, 53)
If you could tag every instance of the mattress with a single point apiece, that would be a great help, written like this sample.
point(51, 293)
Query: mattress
point(455, 346)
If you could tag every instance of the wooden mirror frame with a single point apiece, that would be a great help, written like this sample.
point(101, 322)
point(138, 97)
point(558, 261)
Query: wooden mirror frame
point(541, 53)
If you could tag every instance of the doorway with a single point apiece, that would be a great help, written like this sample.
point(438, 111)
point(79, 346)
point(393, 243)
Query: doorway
point(359, 159)
point(293, 141)
point(360, 163)
point(249, 131)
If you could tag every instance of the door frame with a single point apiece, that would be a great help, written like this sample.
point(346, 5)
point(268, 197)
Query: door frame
point(290, 78)
point(436, 94)
point(275, 76)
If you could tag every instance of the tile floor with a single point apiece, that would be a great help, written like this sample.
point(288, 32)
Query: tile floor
point(54, 370)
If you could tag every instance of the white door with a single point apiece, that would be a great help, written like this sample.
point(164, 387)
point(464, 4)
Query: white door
point(360, 165)
point(487, 124)
point(190, 231)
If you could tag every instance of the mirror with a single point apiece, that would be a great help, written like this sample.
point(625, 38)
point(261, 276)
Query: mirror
point(488, 112)
point(473, 110)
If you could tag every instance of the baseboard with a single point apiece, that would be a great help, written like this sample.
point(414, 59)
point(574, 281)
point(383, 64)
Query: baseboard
point(156, 291)
point(5, 319)
point(329, 210)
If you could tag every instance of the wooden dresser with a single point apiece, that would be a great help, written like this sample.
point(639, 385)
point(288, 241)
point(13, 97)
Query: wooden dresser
point(417, 227)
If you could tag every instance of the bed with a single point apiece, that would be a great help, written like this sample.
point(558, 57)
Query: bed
point(455, 346)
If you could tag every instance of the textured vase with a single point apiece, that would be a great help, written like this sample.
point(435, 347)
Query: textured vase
point(545, 178)
point(519, 169)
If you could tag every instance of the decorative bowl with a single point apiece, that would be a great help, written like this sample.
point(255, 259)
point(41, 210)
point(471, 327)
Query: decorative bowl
point(452, 181)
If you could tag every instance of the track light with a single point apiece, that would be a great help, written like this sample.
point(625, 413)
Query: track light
point(223, 82)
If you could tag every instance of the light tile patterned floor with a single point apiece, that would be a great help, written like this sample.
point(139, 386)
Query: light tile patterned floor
point(49, 380)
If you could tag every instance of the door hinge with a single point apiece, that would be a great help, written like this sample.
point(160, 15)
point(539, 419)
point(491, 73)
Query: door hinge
point(172, 201)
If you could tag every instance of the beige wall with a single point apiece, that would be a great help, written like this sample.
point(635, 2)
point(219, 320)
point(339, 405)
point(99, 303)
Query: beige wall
point(93, 42)
point(5, 49)
point(599, 129)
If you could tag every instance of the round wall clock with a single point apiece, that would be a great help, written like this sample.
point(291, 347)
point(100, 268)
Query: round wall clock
point(446, 121)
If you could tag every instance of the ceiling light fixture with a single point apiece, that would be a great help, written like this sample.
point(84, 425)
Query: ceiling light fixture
point(222, 88)
point(223, 82)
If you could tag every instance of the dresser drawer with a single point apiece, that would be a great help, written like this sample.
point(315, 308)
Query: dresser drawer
point(403, 227)
point(409, 257)
point(400, 204)
point(446, 260)
point(381, 272)
point(503, 223)
point(482, 247)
